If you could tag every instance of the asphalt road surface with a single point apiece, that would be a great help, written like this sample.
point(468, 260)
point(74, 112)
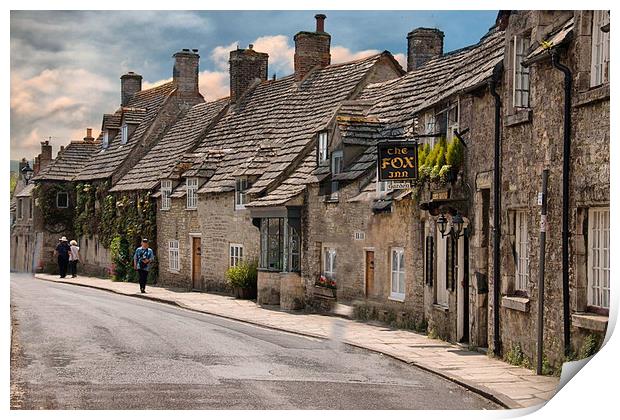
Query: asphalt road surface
point(81, 348)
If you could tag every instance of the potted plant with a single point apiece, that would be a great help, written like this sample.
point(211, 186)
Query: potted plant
point(325, 287)
point(242, 278)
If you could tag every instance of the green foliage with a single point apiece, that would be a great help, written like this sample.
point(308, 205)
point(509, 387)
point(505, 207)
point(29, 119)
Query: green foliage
point(244, 275)
point(437, 163)
point(121, 255)
point(516, 356)
point(590, 346)
point(432, 333)
point(56, 220)
point(454, 153)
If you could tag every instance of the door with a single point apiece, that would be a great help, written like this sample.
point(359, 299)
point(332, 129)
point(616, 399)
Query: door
point(196, 263)
point(462, 328)
point(370, 273)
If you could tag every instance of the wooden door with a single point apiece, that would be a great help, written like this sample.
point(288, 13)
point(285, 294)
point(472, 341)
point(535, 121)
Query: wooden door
point(196, 263)
point(370, 273)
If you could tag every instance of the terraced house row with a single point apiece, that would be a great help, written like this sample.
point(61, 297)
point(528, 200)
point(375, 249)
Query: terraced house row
point(284, 171)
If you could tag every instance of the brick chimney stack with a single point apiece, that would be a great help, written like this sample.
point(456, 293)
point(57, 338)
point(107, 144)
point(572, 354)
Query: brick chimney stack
point(423, 44)
point(46, 154)
point(246, 66)
point(89, 136)
point(131, 83)
point(22, 165)
point(185, 73)
point(312, 49)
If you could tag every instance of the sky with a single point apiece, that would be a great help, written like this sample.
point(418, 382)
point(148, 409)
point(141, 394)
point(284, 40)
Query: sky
point(66, 65)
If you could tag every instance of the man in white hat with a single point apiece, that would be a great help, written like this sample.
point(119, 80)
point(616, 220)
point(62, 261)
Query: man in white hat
point(62, 251)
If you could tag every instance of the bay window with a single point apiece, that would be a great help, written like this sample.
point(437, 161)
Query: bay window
point(280, 244)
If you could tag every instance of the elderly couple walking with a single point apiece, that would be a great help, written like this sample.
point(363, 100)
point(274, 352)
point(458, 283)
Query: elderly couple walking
point(68, 254)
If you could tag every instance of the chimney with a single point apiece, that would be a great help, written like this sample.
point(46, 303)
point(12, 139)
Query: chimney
point(131, 83)
point(246, 66)
point(185, 73)
point(22, 165)
point(423, 44)
point(89, 136)
point(36, 167)
point(312, 49)
point(46, 154)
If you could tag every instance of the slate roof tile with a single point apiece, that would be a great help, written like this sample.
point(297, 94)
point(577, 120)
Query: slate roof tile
point(69, 162)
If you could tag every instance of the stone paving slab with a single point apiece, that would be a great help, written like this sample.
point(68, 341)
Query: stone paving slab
point(510, 386)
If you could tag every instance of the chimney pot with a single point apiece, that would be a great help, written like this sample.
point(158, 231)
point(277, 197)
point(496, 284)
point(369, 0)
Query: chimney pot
point(320, 22)
point(312, 49)
point(89, 135)
point(251, 46)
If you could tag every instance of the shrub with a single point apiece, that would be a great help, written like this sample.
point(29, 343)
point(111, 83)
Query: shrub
point(454, 153)
point(244, 275)
point(590, 346)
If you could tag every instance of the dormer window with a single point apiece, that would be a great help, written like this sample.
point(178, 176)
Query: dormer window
point(106, 139)
point(337, 166)
point(166, 191)
point(192, 193)
point(124, 133)
point(382, 186)
point(322, 147)
point(241, 186)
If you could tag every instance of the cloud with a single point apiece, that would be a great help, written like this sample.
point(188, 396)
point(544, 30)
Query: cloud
point(281, 53)
point(402, 60)
point(342, 54)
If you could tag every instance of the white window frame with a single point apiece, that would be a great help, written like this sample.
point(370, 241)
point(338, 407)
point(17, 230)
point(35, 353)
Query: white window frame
point(58, 201)
point(174, 256)
point(124, 133)
point(452, 125)
point(323, 145)
point(166, 192)
point(106, 139)
point(520, 74)
point(598, 257)
point(20, 208)
point(337, 165)
point(522, 246)
point(241, 186)
point(397, 277)
point(191, 189)
point(441, 248)
point(329, 262)
point(235, 254)
point(600, 49)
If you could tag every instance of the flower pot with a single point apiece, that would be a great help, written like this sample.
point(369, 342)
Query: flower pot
point(324, 292)
point(245, 292)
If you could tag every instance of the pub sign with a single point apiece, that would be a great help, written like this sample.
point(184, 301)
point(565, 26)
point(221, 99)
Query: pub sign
point(397, 161)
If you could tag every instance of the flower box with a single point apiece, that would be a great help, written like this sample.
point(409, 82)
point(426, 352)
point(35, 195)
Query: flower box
point(324, 292)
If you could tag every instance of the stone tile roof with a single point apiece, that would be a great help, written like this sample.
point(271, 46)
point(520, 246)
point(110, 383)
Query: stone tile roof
point(26, 191)
point(106, 161)
point(556, 37)
point(160, 161)
point(69, 162)
point(280, 114)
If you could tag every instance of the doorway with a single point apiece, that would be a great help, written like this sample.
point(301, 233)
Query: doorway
point(196, 263)
point(462, 327)
point(370, 273)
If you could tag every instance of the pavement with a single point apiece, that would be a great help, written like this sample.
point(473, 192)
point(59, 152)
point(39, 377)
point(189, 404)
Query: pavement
point(507, 385)
point(78, 348)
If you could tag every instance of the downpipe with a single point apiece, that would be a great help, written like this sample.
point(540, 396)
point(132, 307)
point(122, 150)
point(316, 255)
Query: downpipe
point(565, 195)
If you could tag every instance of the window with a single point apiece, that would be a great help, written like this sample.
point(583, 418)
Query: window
point(241, 186)
point(106, 139)
point(382, 186)
point(173, 255)
point(441, 285)
point(30, 208)
point(398, 274)
point(337, 162)
point(359, 235)
point(192, 192)
point(124, 133)
point(166, 191)
point(522, 246)
point(521, 74)
point(236, 254)
point(272, 246)
point(20, 208)
point(599, 71)
point(598, 257)
point(294, 248)
point(452, 122)
point(329, 263)
point(322, 150)
point(62, 200)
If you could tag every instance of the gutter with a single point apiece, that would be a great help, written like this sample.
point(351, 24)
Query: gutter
point(565, 194)
point(497, 232)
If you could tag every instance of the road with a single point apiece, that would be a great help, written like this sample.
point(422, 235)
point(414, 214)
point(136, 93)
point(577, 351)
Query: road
point(81, 348)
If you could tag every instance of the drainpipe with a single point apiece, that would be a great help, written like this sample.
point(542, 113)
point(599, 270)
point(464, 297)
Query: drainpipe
point(496, 208)
point(565, 194)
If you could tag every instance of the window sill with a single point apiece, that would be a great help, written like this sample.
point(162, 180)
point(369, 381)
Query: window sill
point(331, 199)
point(520, 116)
point(397, 297)
point(521, 304)
point(239, 207)
point(595, 94)
point(174, 271)
point(590, 321)
point(441, 307)
point(191, 208)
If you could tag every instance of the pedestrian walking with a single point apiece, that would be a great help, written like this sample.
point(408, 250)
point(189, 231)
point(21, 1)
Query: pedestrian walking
point(74, 258)
point(142, 261)
point(62, 252)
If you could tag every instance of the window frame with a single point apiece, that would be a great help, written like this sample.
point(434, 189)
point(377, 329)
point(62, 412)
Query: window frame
point(174, 256)
point(599, 57)
point(596, 298)
point(58, 201)
point(124, 133)
point(240, 194)
point(522, 250)
point(105, 142)
point(191, 191)
point(166, 192)
point(235, 254)
point(337, 156)
point(400, 272)
point(322, 147)
point(520, 73)
point(329, 262)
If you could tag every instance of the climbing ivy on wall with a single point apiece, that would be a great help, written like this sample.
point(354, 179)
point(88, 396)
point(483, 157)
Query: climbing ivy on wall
point(55, 219)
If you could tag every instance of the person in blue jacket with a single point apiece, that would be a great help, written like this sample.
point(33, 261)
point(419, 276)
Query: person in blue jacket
point(142, 260)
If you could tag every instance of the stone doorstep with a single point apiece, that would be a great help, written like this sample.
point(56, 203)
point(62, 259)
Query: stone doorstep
point(495, 395)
